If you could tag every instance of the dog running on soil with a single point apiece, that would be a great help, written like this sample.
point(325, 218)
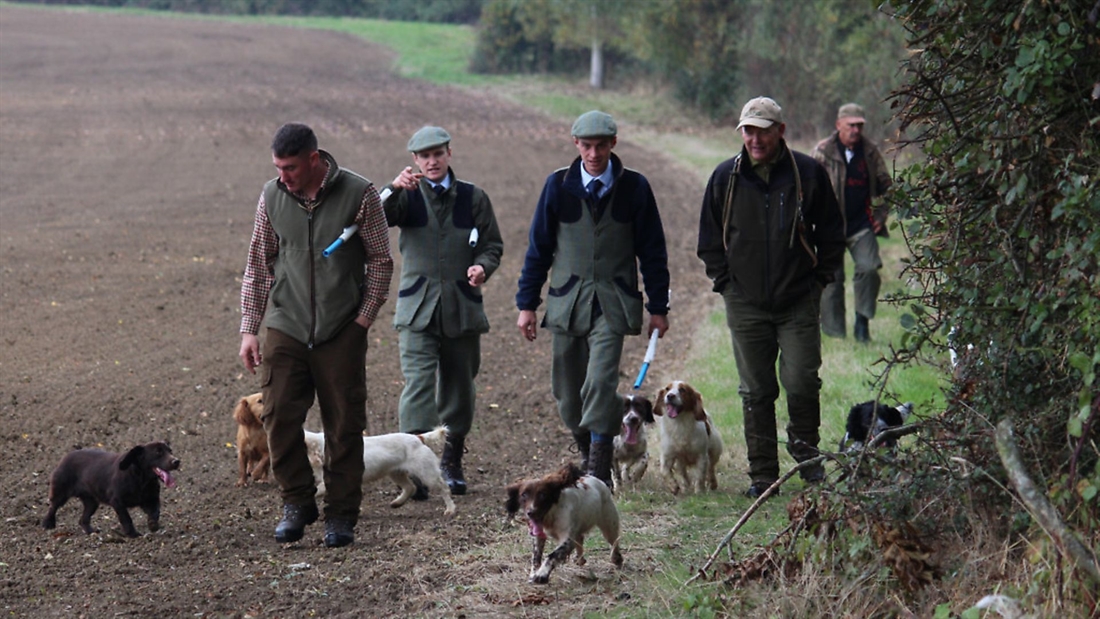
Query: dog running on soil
point(396, 455)
point(253, 455)
point(122, 481)
point(564, 506)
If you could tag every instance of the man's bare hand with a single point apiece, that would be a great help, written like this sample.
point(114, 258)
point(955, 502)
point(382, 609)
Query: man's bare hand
point(527, 324)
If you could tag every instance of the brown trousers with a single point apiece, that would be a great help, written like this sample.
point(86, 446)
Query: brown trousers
point(336, 372)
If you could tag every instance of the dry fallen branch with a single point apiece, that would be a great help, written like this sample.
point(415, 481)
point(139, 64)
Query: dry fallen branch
point(752, 510)
point(1037, 504)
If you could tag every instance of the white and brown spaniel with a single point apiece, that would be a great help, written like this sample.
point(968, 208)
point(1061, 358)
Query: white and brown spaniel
point(396, 455)
point(564, 506)
point(690, 442)
point(630, 460)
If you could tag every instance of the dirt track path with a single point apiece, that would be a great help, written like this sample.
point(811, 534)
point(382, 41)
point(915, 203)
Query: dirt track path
point(132, 151)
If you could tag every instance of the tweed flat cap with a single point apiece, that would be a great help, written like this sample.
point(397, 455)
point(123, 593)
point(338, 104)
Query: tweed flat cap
point(594, 124)
point(428, 137)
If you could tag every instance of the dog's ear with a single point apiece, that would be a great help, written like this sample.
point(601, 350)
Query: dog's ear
point(698, 410)
point(131, 457)
point(241, 414)
point(512, 502)
point(659, 405)
point(645, 408)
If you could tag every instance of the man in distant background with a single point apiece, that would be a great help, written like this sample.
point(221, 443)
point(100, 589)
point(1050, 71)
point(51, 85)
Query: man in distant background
point(859, 175)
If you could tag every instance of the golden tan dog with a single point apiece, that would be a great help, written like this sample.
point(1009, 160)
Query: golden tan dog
point(253, 456)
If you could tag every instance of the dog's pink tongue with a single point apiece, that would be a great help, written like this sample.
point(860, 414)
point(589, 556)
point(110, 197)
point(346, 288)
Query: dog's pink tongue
point(630, 435)
point(165, 477)
point(673, 411)
point(535, 529)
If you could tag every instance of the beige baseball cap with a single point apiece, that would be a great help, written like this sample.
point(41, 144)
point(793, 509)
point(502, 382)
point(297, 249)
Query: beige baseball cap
point(854, 111)
point(761, 112)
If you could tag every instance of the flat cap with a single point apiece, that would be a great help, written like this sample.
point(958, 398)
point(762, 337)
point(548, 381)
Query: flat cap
point(761, 112)
point(853, 111)
point(594, 124)
point(428, 137)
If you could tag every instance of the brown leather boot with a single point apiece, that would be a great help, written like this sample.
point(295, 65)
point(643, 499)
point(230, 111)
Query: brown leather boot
point(451, 464)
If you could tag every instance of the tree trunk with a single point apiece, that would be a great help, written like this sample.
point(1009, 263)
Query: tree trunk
point(596, 70)
point(596, 80)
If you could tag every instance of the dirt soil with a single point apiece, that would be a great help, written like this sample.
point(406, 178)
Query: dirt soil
point(132, 153)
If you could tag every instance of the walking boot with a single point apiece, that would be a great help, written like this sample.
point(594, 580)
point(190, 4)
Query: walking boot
point(338, 532)
point(451, 464)
point(583, 440)
point(293, 525)
point(599, 462)
point(862, 329)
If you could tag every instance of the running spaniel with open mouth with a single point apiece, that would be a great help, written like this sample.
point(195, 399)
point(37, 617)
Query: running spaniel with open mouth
point(630, 459)
point(689, 440)
point(564, 506)
point(122, 481)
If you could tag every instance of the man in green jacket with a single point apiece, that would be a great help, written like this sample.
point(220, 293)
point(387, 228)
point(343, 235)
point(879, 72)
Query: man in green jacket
point(450, 245)
point(859, 176)
point(771, 236)
point(316, 339)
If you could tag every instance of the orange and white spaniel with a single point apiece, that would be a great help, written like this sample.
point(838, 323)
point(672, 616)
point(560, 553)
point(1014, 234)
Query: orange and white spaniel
point(690, 442)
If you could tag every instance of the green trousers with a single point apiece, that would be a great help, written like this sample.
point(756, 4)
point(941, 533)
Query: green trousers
point(866, 283)
point(760, 337)
point(585, 379)
point(439, 379)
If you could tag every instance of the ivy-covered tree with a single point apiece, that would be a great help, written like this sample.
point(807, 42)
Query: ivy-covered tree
point(1001, 97)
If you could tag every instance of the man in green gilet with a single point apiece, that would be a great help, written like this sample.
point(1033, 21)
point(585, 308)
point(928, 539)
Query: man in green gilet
point(316, 339)
point(450, 245)
point(595, 226)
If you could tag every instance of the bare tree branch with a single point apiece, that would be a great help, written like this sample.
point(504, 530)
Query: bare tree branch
point(1037, 504)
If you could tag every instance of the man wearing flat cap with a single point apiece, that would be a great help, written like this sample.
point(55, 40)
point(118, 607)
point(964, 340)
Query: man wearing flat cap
point(859, 177)
point(595, 225)
point(772, 236)
point(450, 245)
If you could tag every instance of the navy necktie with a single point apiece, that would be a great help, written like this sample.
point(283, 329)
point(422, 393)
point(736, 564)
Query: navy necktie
point(439, 189)
point(594, 189)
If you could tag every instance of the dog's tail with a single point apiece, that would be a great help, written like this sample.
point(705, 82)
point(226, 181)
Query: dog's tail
point(434, 439)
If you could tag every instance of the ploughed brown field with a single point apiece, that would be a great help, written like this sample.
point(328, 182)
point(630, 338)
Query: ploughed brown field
point(132, 152)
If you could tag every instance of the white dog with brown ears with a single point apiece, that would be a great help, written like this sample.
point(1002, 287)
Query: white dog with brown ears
point(396, 455)
point(690, 442)
point(564, 506)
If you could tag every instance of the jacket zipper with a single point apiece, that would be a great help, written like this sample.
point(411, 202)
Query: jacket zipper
point(312, 285)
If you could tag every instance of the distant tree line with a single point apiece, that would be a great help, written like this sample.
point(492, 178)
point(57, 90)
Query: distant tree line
point(445, 11)
point(712, 54)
